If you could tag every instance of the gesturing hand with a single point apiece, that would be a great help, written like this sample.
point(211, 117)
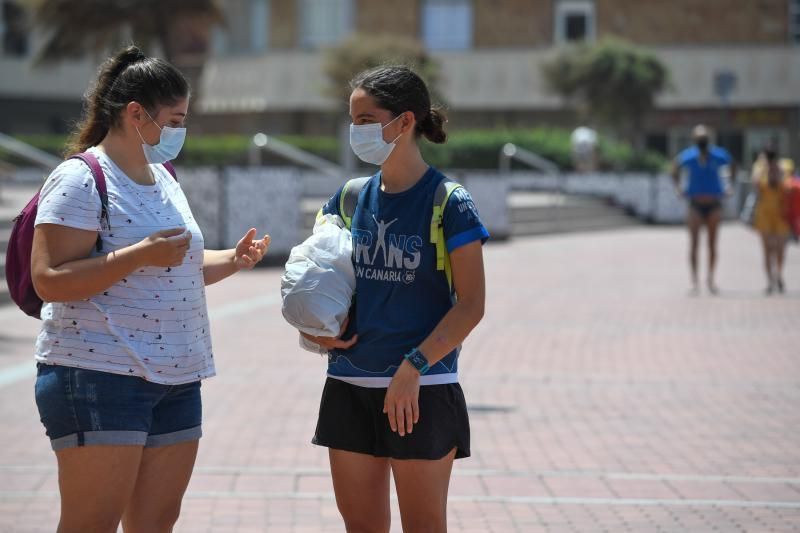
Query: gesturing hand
point(330, 343)
point(250, 252)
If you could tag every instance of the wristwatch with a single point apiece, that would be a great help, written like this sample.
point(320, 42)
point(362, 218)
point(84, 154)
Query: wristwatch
point(418, 360)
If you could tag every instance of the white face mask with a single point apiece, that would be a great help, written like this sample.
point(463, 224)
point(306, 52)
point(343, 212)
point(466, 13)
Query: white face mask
point(367, 142)
point(169, 144)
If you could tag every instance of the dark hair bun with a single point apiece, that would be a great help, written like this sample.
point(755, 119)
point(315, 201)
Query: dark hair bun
point(432, 126)
point(126, 56)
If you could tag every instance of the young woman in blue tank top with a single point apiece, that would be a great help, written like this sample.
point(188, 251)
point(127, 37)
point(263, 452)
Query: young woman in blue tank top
point(705, 190)
point(392, 403)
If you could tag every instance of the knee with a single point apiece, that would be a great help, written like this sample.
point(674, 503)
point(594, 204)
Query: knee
point(365, 525)
point(100, 524)
point(434, 524)
point(145, 522)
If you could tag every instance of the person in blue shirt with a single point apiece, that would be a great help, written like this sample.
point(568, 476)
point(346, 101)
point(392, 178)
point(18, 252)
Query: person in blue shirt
point(392, 403)
point(705, 189)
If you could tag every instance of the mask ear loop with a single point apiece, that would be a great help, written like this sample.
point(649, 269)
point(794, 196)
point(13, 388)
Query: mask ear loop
point(151, 120)
point(395, 118)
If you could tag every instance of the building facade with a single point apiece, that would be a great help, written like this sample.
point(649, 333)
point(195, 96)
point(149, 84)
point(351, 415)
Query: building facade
point(734, 64)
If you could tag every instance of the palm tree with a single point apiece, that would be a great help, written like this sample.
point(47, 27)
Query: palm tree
point(74, 28)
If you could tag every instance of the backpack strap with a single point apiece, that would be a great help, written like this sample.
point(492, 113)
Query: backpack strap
point(444, 189)
point(100, 183)
point(348, 199)
point(171, 169)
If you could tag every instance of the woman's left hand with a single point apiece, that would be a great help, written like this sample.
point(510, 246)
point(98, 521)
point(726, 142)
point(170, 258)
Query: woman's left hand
point(401, 403)
point(250, 252)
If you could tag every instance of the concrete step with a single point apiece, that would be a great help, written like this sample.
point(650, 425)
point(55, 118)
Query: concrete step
point(5, 234)
point(573, 225)
point(4, 296)
point(536, 214)
point(13, 197)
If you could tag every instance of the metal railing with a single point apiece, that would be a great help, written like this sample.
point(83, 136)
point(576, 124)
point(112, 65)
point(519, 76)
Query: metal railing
point(511, 152)
point(291, 153)
point(29, 153)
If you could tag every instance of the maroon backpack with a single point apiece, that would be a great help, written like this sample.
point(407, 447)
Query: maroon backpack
point(20, 244)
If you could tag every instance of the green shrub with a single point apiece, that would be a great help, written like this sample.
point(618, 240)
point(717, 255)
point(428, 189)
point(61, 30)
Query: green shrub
point(466, 149)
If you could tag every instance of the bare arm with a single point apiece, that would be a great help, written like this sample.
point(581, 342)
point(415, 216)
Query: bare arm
point(218, 265)
point(62, 270)
point(675, 172)
point(470, 285)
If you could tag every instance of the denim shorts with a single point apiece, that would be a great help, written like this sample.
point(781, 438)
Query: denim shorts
point(80, 407)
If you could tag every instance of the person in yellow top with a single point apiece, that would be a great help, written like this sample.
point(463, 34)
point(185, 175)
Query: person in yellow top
point(770, 217)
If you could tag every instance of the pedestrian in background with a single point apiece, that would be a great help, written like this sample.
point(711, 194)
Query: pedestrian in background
point(705, 188)
point(770, 217)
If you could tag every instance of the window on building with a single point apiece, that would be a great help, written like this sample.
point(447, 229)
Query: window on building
point(447, 24)
point(247, 24)
point(794, 21)
point(324, 22)
point(14, 29)
point(575, 21)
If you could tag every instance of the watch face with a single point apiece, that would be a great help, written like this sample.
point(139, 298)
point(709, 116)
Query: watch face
point(418, 360)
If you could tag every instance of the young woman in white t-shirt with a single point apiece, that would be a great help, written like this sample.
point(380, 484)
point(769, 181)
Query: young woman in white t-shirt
point(125, 338)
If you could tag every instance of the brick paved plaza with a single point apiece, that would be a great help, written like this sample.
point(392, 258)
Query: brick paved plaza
point(603, 398)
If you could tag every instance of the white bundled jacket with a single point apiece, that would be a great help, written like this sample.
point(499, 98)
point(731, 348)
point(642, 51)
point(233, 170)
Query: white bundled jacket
point(318, 284)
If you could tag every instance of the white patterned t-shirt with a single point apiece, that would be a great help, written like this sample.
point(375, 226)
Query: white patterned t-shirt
point(154, 322)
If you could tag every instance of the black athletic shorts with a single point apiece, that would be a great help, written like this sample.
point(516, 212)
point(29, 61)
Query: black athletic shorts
point(706, 209)
point(351, 418)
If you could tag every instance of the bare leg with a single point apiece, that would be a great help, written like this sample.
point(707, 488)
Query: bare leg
point(164, 474)
point(780, 254)
point(767, 246)
point(95, 483)
point(422, 491)
point(361, 484)
point(693, 222)
point(713, 222)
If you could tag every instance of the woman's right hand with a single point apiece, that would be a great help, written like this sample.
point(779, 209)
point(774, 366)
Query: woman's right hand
point(165, 248)
point(330, 343)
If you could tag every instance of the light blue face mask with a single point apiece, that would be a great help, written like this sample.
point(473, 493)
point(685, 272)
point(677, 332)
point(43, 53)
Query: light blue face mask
point(367, 142)
point(169, 144)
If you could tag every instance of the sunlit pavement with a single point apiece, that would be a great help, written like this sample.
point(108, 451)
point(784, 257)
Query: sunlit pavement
point(603, 398)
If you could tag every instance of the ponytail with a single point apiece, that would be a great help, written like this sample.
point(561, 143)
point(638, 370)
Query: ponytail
point(432, 126)
point(125, 77)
